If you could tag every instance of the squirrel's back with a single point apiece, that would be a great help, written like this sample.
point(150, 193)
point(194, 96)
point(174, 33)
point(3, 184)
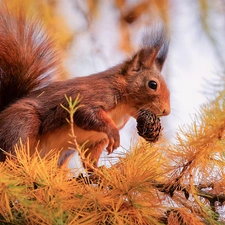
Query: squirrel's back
point(28, 57)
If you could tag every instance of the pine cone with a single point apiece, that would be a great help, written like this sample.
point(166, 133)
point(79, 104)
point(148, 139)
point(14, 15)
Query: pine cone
point(148, 125)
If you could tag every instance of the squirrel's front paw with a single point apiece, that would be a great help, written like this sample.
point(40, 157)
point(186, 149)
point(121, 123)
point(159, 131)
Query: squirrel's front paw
point(114, 141)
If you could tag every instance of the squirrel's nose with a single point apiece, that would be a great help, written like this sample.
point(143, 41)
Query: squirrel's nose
point(166, 112)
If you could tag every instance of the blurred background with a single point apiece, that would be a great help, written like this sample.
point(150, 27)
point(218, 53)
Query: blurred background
point(97, 34)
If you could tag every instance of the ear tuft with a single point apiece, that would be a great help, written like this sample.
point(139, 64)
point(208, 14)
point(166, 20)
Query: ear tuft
point(155, 38)
point(162, 54)
point(153, 51)
point(158, 42)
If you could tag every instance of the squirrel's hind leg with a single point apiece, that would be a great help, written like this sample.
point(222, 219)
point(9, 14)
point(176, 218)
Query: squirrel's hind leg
point(18, 123)
point(93, 153)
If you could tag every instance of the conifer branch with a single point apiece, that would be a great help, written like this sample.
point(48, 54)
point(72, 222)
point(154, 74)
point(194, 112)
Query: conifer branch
point(71, 109)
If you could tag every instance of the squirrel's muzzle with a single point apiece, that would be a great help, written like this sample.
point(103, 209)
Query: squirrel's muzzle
point(166, 111)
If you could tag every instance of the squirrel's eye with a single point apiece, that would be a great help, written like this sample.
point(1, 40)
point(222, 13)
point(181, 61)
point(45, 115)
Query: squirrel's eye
point(152, 84)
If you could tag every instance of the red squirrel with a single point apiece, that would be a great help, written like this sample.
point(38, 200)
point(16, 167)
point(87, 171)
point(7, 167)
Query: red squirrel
point(30, 101)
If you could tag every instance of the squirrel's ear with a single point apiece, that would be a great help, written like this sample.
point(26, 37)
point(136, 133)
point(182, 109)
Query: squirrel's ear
point(147, 56)
point(154, 50)
point(143, 58)
point(161, 56)
point(134, 64)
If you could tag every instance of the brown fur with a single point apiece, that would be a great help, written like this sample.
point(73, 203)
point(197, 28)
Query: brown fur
point(107, 101)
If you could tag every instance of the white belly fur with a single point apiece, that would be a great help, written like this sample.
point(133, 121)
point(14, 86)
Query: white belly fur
point(119, 115)
point(60, 139)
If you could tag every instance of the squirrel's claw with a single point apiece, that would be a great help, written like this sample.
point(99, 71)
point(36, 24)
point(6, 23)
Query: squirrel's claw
point(114, 142)
point(109, 149)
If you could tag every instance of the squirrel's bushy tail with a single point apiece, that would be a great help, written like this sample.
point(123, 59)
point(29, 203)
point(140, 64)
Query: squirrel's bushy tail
point(28, 57)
